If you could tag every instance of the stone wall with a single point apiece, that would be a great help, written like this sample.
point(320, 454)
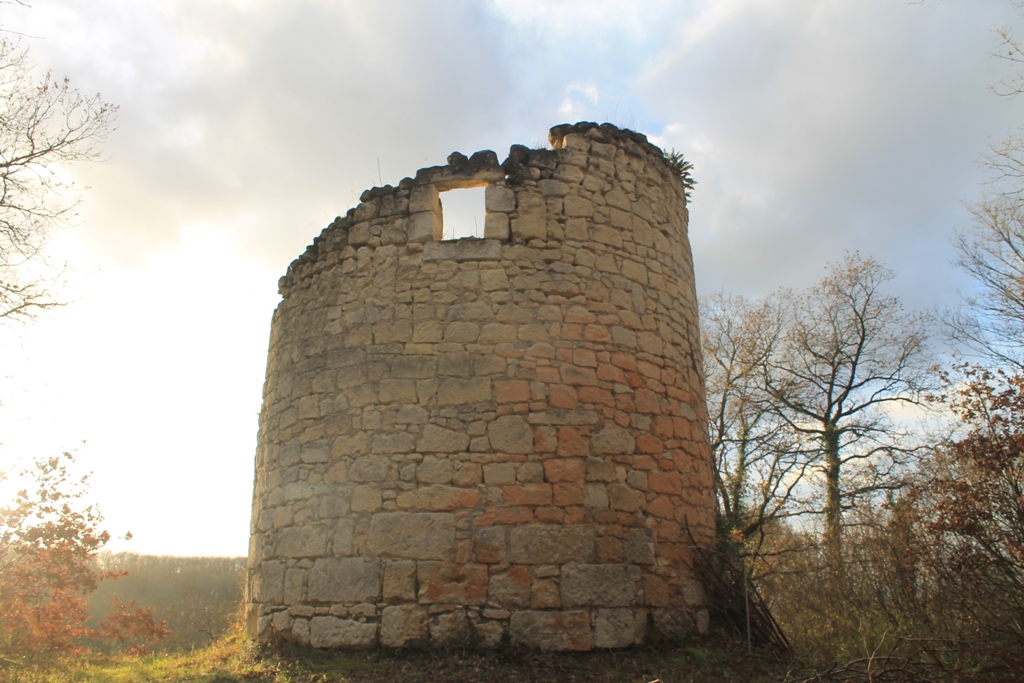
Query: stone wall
point(489, 439)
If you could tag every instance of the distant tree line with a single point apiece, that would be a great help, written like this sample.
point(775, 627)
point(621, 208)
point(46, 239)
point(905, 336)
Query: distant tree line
point(199, 598)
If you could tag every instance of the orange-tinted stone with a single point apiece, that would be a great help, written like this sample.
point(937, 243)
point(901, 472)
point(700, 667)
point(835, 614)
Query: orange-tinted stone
point(596, 395)
point(545, 440)
point(568, 494)
point(563, 470)
point(647, 401)
point(443, 582)
point(662, 507)
point(649, 444)
point(656, 591)
point(572, 374)
point(528, 494)
point(609, 550)
point(512, 391)
point(571, 443)
point(562, 396)
point(665, 482)
point(504, 516)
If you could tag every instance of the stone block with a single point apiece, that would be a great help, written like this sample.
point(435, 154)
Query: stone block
point(490, 546)
point(294, 583)
point(499, 474)
point(399, 580)
point(595, 496)
point(468, 249)
point(398, 390)
point(365, 498)
point(551, 631)
point(607, 235)
point(423, 198)
point(454, 392)
point(496, 226)
point(349, 579)
point(450, 628)
point(510, 589)
point(414, 367)
point(424, 227)
point(577, 207)
point(461, 332)
point(600, 585)
point(498, 198)
point(375, 467)
point(624, 498)
point(542, 544)
point(412, 415)
point(268, 587)
point(435, 470)
point(489, 633)
point(301, 541)
point(402, 625)
point(493, 280)
point(611, 439)
point(438, 498)
point(510, 434)
point(533, 226)
point(342, 544)
point(639, 546)
point(395, 442)
point(439, 440)
point(388, 332)
point(553, 188)
point(616, 628)
point(334, 632)
point(452, 584)
point(412, 535)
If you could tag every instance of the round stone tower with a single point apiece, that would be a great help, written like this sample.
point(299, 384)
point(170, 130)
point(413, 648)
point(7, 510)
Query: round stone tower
point(489, 439)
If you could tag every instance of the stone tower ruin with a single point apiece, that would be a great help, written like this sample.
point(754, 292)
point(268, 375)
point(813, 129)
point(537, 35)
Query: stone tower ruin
point(488, 440)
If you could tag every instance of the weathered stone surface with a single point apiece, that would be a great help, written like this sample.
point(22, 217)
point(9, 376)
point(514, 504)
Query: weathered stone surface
point(603, 585)
point(412, 535)
point(451, 584)
point(399, 580)
point(450, 628)
point(612, 439)
point(617, 628)
point(439, 440)
point(350, 579)
point(335, 632)
point(551, 630)
point(510, 589)
point(510, 434)
point(402, 625)
point(462, 250)
point(301, 541)
point(458, 432)
point(438, 498)
point(370, 467)
point(545, 544)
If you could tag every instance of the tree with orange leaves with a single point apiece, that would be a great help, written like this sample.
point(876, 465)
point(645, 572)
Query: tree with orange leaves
point(48, 543)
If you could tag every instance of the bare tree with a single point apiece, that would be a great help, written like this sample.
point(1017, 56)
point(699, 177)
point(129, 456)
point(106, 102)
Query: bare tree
point(759, 462)
point(44, 125)
point(848, 352)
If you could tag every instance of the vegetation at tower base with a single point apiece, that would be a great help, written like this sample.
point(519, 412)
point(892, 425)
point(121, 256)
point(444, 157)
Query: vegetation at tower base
point(489, 440)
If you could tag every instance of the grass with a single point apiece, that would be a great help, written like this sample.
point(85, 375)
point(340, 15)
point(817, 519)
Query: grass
point(709, 659)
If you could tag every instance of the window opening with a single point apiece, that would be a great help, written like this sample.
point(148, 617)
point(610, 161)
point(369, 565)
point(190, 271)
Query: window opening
point(462, 213)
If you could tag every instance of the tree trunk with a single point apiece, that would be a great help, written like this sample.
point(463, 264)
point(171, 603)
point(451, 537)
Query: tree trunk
point(833, 539)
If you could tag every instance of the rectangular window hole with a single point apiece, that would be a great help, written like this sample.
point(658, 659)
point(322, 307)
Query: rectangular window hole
point(462, 213)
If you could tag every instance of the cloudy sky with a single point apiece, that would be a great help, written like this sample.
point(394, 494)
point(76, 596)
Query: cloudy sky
point(245, 126)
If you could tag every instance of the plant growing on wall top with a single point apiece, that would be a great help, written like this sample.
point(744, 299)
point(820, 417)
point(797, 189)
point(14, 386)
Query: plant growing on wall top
point(682, 168)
